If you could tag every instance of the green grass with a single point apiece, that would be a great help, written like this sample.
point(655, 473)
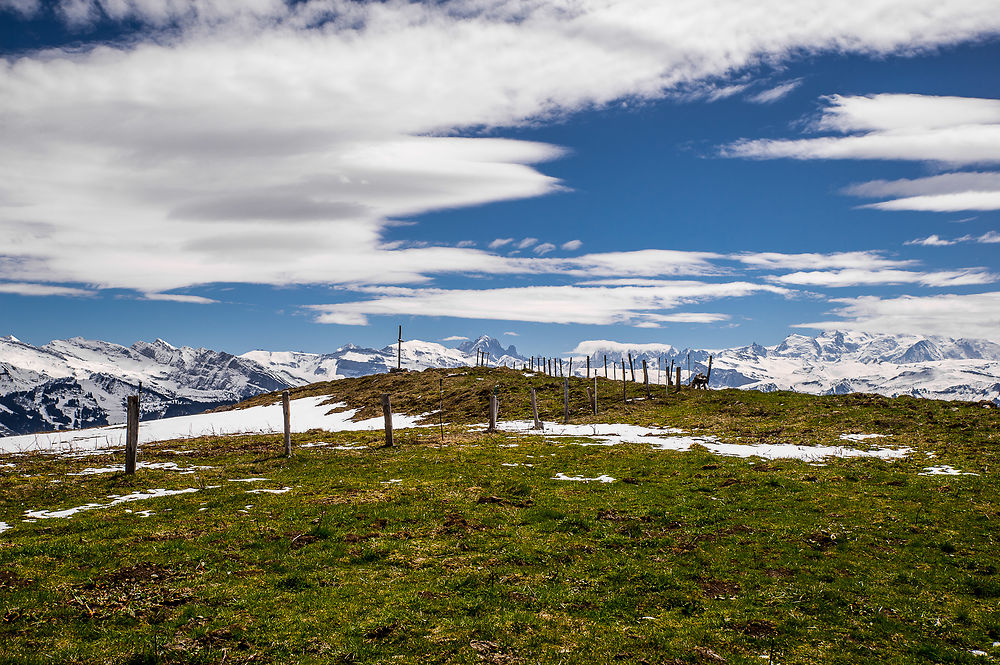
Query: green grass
point(687, 557)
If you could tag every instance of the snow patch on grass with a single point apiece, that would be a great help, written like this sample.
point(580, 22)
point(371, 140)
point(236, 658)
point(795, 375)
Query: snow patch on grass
point(671, 438)
point(945, 470)
point(115, 500)
point(599, 479)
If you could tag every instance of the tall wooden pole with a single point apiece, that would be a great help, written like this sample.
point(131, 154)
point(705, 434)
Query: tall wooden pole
point(645, 377)
point(605, 367)
point(588, 367)
point(286, 412)
point(131, 434)
point(493, 414)
point(595, 393)
point(399, 350)
point(387, 414)
point(631, 367)
point(678, 380)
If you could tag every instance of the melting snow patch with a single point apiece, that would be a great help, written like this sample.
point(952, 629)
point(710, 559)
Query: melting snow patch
point(598, 479)
point(115, 500)
point(246, 480)
point(165, 466)
point(665, 438)
point(263, 491)
point(4, 527)
point(945, 470)
point(860, 437)
point(392, 482)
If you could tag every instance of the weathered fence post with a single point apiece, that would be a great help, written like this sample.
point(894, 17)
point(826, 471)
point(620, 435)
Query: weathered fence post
point(605, 367)
point(645, 377)
point(286, 411)
point(493, 414)
point(624, 397)
point(595, 393)
point(678, 389)
point(630, 366)
point(588, 367)
point(387, 414)
point(561, 368)
point(569, 372)
point(131, 434)
point(534, 411)
point(565, 401)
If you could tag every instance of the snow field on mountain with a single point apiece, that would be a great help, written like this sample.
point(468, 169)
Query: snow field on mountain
point(307, 413)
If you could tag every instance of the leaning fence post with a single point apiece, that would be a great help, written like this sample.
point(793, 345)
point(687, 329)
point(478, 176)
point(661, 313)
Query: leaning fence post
point(387, 414)
point(286, 410)
point(131, 434)
point(565, 400)
point(678, 389)
point(534, 411)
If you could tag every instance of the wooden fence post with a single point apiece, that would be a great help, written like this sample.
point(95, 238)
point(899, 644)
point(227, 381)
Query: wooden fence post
point(387, 414)
point(645, 377)
point(534, 411)
point(588, 367)
point(565, 401)
point(678, 380)
point(131, 434)
point(286, 411)
point(569, 372)
point(605, 367)
point(624, 397)
point(630, 366)
point(595, 393)
point(493, 414)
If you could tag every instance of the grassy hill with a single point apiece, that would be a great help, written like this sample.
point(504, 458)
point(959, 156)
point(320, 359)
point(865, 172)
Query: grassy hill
point(472, 551)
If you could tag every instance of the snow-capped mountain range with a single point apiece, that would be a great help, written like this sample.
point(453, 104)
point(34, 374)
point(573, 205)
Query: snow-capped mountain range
point(74, 383)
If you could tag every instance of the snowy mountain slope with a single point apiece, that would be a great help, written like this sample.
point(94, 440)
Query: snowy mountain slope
point(81, 383)
point(841, 362)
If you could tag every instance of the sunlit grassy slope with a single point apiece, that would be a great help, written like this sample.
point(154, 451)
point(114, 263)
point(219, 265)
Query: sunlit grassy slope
point(471, 552)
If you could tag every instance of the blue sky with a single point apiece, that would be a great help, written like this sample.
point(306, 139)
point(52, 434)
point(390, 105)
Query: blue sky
point(261, 175)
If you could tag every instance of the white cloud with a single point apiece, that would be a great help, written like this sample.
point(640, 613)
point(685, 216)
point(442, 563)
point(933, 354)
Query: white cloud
point(26, 289)
point(953, 130)
point(854, 277)
point(174, 297)
point(455, 338)
point(545, 304)
point(25, 8)
point(527, 242)
point(572, 245)
point(245, 142)
point(932, 241)
point(948, 192)
point(500, 242)
point(950, 315)
point(512, 334)
point(544, 248)
point(772, 95)
point(466, 243)
point(868, 260)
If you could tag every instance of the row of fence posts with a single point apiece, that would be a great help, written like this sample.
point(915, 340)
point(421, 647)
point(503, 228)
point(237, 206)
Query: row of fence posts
point(132, 418)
